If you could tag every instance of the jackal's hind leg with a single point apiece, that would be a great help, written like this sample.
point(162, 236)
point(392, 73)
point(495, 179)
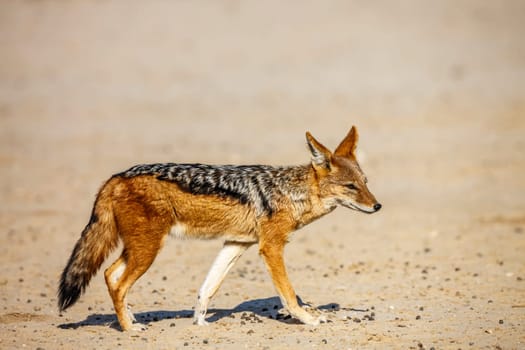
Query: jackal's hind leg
point(227, 257)
point(112, 276)
point(135, 263)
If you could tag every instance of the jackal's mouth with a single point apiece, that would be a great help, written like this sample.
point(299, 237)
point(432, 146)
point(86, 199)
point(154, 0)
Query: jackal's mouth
point(356, 207)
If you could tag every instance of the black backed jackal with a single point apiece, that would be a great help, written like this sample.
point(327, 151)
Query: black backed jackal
point(242, 205)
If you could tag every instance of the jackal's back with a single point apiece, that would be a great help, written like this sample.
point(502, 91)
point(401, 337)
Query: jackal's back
point(256, 185)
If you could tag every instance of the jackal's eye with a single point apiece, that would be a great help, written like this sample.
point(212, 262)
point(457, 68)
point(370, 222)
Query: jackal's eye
point(351, 187)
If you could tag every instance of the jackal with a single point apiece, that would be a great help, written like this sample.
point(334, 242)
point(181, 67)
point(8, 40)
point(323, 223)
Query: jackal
point(242, 205)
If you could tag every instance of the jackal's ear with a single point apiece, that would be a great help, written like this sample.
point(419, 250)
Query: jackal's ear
point(321, 156)
point(347, 147)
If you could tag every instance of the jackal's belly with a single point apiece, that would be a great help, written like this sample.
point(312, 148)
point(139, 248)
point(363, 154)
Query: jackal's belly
point(183, 230)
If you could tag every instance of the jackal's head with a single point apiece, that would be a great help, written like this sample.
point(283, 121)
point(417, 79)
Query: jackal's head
point(340, 178)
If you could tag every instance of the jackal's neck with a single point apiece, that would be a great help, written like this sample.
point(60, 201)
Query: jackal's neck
point(302, 190)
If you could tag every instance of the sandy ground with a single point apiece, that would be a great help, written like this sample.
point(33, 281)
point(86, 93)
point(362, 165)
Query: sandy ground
point(436, 88)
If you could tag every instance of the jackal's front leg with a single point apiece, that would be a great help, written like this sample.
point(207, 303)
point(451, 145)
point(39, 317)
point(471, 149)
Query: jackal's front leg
point(272, 253)
point(227, 257)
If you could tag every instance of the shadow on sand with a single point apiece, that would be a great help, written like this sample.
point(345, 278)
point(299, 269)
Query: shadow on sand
point(265, 308)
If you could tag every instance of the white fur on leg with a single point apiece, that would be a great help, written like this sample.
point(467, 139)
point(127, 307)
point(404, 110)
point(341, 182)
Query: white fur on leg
point(115, 276)
point(224, 261)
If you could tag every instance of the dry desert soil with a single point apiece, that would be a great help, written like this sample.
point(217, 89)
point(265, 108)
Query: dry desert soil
point(436, 89)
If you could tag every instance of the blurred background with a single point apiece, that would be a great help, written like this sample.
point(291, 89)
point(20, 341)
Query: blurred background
point(436, 89)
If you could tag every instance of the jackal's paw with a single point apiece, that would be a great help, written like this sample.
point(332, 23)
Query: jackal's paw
point(315, 321)
point(133, 327)
point(137, 327)
point(306, 318)
point(200, 321)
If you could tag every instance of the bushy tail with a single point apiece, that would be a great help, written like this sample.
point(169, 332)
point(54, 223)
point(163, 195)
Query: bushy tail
point(98, 239)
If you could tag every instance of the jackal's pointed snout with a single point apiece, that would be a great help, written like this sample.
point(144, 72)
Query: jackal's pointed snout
point(377, 206)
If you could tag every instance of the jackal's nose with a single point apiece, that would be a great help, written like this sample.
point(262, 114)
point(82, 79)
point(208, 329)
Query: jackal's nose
point(377, 206)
